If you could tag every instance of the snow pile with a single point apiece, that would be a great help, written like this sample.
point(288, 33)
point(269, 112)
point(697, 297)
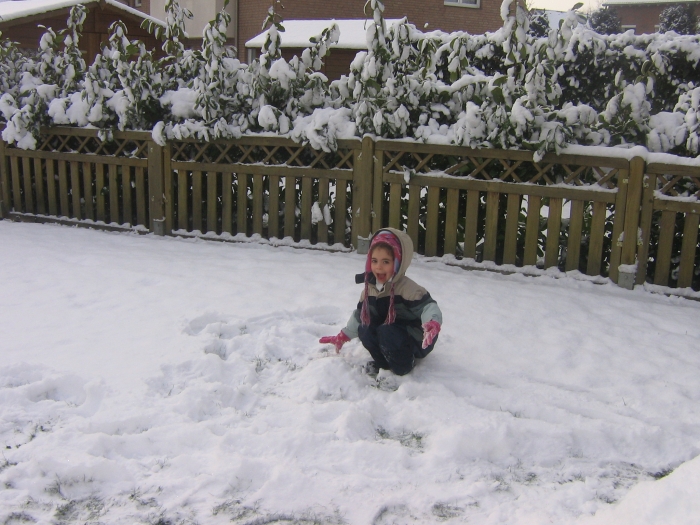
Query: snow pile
point(163, 380)
point(506, 89)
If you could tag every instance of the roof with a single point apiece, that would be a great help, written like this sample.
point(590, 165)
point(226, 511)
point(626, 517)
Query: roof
point(555, 16)
point(19, 9)
point(353, 33)
point(649, 2)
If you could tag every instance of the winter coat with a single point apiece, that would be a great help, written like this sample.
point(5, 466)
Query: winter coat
point(412, 303)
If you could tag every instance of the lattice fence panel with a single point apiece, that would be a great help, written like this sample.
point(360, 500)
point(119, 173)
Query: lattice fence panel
point(272, 188)
point(507, 209)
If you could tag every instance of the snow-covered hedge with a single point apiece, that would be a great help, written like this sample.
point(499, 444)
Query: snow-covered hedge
point(507, 89)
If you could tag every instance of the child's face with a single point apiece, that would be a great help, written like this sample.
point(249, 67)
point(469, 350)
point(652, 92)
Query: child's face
point(382, 264)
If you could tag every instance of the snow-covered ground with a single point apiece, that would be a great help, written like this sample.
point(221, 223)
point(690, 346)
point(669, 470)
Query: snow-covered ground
point(166, 381)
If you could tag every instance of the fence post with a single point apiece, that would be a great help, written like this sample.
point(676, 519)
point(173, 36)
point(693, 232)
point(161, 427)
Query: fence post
point(155, 188)
point(628, 258)
point(362, 190)
point(4, 183)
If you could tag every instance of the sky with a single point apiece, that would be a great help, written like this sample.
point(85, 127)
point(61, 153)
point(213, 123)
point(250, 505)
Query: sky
point(563, 5)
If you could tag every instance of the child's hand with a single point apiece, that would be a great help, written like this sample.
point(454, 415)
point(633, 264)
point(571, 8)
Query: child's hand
point(336, 340)
point(431, 329)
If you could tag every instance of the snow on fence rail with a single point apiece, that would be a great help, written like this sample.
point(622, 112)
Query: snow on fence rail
point(593, 214)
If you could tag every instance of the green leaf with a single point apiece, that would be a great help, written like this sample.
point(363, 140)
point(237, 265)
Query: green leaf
point(497, 93)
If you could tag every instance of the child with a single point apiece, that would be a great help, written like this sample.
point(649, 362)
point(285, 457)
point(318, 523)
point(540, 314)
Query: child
point(396, 319)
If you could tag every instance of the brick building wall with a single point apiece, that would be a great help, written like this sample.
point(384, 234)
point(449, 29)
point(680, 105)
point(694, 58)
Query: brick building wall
point(435, 13)
point(27, 33)
point(644, 18)
point(141, 5)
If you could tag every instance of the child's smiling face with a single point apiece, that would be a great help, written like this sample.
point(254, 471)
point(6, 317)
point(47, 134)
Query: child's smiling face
point(382, 264)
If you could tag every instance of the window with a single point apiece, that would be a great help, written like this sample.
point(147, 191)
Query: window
point(464, 3)
point(628, 27)
point(137, 3)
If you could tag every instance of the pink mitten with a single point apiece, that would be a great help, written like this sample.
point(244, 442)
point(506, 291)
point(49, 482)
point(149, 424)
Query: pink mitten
point(336, 340)
point(430, 331)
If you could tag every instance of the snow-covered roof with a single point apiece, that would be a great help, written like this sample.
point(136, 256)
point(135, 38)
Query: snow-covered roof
point(554, 17)
point(638, 2)
point(353, 33)
point(16, 9)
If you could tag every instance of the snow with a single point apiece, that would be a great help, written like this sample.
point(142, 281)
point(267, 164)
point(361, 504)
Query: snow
point(353, 33)
point(16, 9)
point(636, 2)
point(149, 379)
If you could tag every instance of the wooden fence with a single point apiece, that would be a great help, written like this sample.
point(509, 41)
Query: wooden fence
point(592, 214)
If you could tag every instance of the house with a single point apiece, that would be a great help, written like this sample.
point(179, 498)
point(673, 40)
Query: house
point(353, 38)
point(247, 16)
point(642, 16)
point(203, 13)
point(20, 21)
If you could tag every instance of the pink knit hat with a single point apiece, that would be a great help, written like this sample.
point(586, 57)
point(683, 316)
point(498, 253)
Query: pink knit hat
point(381, 237)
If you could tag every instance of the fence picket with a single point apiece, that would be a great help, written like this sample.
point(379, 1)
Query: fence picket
point(511, 240)
point(227, 203)
point(87, 191)
point(16, 186)
point(75, 189)
point(28, 193)
point(183, 208)
point(168, 188)
point(573, 245)
point(532, 230)
point(470, 228)
point(491, 232)
point(212, 214)
point(99, 189)
point(141, 204)
point(645, 223)
point(623, 183)
point(394, 206)
point(197, 201)
point(551, 254)
point(321, 226)
point(341, 209)
point(595, 246)
point(63, 187)
point(451, 220)
point(378, 190)
point(242, 204)
point(306, 189)
point(431, 221)
point(690, 241)
point(39, 185)
point(663, 251)
point(258, 211)
point(413, 213)
point(113, 194)
point(51, 187)
point(289, 206)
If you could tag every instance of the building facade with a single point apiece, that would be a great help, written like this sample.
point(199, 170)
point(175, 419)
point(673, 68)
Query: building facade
point(247, 16)
point(21, 22)
point(642, 16)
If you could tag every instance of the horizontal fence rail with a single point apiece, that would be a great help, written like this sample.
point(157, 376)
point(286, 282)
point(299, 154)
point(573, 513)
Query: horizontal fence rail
point(597, 215)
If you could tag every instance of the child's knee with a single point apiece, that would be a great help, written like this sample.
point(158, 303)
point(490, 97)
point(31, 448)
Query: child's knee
point(401, 369)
